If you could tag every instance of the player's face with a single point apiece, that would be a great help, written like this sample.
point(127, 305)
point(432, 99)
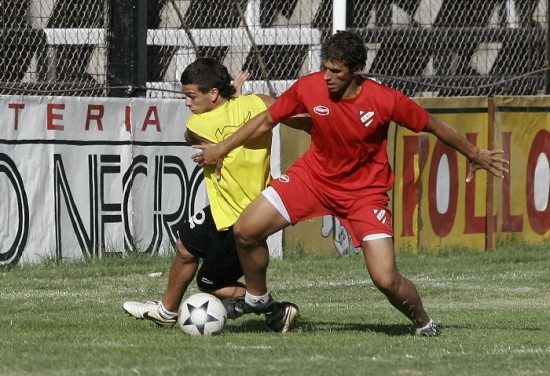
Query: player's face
point(337, 76)
point(197, 101)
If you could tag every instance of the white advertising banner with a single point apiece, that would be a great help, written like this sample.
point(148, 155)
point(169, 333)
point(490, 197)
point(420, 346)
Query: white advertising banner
point(80, 177)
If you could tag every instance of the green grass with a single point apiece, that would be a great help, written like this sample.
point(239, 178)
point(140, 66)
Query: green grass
point(67, 319)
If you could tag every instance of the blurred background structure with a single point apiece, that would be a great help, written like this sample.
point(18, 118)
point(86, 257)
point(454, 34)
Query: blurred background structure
point(140, 47)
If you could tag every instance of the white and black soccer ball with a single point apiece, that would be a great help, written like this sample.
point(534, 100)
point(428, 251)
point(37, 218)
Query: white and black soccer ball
point(202, 314)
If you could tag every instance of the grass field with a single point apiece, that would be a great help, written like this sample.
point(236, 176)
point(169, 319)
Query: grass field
point(67, 319)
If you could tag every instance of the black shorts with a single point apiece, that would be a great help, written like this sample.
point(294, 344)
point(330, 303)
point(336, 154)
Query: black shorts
point(220, 265)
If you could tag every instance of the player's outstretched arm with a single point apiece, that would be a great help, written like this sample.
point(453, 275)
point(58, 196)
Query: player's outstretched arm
point(300, 122)
point(214, 154)
point(479, 158)
point(239, 80)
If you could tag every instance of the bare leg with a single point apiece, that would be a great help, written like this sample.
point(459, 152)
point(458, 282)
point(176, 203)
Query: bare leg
point(232, 291)
point(183, 270)
point(259, 220)
point(380, 260)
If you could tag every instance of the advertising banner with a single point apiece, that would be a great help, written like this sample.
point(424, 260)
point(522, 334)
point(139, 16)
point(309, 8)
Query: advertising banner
point(523, 126)
point(80, 177)
point(433, 205)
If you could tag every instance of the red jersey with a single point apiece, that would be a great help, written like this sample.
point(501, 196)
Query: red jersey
point(349, 136)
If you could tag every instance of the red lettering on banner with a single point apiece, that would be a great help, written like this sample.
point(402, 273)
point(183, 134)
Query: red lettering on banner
point(16, 107)
point(95, 112)
point(510, 223)
point(152, 118)
point(51, 116)
point(442, 223)
point(472, 224)
point(128, 118)
point(539, 219)
point(412, 145)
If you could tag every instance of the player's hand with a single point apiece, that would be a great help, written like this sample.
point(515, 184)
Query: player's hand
point(197, 158)
point(239, 80)
point(209, 154)
point(490, 161)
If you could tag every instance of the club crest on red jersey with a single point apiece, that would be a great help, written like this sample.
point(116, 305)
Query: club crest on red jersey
point(366, 117)
point(380, 215)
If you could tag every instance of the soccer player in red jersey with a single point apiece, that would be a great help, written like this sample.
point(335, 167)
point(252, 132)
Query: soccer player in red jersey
point(344, 173)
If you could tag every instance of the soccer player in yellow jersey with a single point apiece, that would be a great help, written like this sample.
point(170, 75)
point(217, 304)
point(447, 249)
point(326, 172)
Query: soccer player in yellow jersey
point(208, 234)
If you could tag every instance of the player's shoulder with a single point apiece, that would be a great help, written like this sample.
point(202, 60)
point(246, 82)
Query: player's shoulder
point(308, 82)
point(373, 83)
point(379, 88)
point(253, 99)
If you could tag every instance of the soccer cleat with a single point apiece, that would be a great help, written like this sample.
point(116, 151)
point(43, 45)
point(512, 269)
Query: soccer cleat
point(430, 330)
point(283, 317)
point(236, 307)
point(150, 311)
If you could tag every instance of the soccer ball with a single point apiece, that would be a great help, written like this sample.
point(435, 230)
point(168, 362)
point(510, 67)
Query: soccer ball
point(202, 315)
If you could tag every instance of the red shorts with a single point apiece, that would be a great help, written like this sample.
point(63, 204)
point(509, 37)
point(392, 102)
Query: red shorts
point(360, 213)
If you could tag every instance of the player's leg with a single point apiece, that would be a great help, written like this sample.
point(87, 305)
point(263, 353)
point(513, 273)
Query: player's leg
point(402, 294)
point(183, 270)
point(259, 220)
point(232, 290)
point(165, 312)
point(263, 217)
point(370, 226)
point(221, 270)
point(193, 234)
point(219, 275)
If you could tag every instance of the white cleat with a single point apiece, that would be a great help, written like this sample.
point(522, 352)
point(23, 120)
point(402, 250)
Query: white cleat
point(150, 311)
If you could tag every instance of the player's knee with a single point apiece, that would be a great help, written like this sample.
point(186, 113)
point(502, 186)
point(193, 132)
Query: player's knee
point(388, 284)
point(243, 236)
point(182, 251)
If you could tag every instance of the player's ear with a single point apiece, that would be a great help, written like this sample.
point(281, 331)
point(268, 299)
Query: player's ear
point(214, 92)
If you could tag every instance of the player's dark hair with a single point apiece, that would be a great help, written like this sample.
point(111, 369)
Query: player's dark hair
point(208, 73)
point(345, 47)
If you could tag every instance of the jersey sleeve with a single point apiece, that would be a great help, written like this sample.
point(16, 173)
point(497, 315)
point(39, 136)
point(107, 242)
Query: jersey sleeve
point(193, 124)
point(409, 114)
point(288, 104)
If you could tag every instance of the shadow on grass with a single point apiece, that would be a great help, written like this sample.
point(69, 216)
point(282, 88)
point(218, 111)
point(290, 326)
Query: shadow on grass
point(323, 326)
point(257, 325)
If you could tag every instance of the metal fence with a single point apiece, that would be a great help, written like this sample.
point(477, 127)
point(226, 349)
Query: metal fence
point(140, 47)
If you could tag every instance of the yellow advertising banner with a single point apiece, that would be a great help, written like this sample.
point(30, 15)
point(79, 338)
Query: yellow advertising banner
point(433, 206)
point(523, 126)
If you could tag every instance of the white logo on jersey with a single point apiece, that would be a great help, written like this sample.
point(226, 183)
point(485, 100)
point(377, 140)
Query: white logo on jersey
point(284, 178)
point(197, 219)
point(366, 117)
point(380, 215)
point(321, 110)
point(207, 281)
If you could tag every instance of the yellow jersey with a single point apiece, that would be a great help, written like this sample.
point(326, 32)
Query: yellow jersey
point(245, 171)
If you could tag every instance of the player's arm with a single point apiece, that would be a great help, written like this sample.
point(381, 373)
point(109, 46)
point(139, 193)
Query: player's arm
point(301, 122)
point(193, 138)
point(240, 80)
point(213, 154)
point(478, 157)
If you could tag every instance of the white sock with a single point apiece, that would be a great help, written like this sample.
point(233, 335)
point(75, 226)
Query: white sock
point(166, 313)
point(254, 301)
point(427, 325)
